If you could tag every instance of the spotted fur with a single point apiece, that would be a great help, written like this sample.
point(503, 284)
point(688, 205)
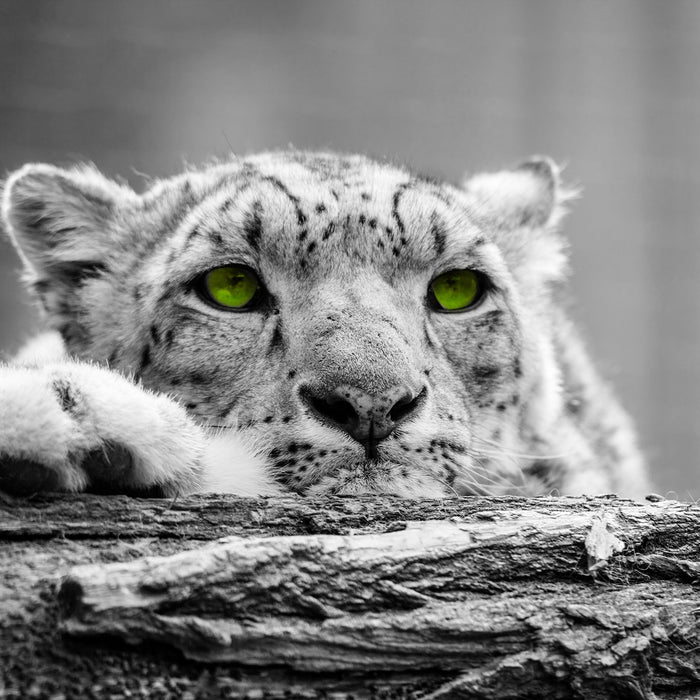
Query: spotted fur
point(345, 378)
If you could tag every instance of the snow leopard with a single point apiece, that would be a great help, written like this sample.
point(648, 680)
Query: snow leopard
point(304, 322)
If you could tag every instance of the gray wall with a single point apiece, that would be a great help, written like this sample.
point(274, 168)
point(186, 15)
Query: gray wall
point(610, 88)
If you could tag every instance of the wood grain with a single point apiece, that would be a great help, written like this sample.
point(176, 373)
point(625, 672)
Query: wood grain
point(363, 597)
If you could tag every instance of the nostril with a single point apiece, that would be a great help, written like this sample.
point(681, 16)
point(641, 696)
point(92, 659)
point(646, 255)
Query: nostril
point(405, 406)
point(338, 410)
point(331, 408)
point(401, 408)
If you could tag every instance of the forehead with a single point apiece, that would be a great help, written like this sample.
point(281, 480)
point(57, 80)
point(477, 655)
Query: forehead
point(310, 210)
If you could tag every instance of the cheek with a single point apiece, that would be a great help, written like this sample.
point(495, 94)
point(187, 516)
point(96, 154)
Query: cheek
point(483, 354)
point(211, 366)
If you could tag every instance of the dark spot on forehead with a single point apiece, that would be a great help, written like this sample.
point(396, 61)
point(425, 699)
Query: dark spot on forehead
point(252, 225)
point(276, 182)
point(320, 208)
point(395, 208)
point(439, 234)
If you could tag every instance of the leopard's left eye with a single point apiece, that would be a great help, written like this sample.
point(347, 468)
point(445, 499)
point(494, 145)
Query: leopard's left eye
point(456, 290)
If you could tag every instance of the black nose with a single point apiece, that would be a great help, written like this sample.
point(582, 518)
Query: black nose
point(365, 417)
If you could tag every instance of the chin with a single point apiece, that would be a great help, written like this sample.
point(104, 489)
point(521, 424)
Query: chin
point(379, 479)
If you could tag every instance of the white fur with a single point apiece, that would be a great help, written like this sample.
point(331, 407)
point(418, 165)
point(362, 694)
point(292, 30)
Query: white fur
point(232, 465)
point(33, 427)
point(167, 446)
point(44, 348)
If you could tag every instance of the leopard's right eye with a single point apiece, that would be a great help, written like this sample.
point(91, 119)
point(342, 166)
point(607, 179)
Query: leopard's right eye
point(231, 287)
point(457, 290)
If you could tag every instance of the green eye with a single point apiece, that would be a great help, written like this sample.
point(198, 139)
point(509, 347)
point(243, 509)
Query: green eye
point(457, 289)
point(233, 287)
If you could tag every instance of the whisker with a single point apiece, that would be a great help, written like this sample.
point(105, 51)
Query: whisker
point(500, 480)
point(480, 455)
point(501, 451)
point(482, 479)
point(487, 473)
point(479, 488)
point(520, 455)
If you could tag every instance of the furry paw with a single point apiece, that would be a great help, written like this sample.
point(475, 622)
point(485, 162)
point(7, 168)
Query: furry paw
point(79, 427)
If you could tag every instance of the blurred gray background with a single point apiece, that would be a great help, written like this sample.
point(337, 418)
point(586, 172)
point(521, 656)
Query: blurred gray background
point(612, 89)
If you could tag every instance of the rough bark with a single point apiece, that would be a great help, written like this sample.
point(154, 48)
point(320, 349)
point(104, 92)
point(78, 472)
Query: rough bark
point(362, 597)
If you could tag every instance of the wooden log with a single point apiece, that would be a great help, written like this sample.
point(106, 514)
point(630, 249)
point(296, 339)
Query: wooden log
point(362, 597)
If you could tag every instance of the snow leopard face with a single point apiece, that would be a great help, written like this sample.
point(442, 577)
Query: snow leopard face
point(367, 329)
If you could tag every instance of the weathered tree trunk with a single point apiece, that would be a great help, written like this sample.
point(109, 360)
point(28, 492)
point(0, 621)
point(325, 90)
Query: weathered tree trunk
point(349, 597)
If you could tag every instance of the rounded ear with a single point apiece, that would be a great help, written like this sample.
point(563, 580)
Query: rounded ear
point(60, 220)
point(529, 195)
point(521, 208)
point(62, 223)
